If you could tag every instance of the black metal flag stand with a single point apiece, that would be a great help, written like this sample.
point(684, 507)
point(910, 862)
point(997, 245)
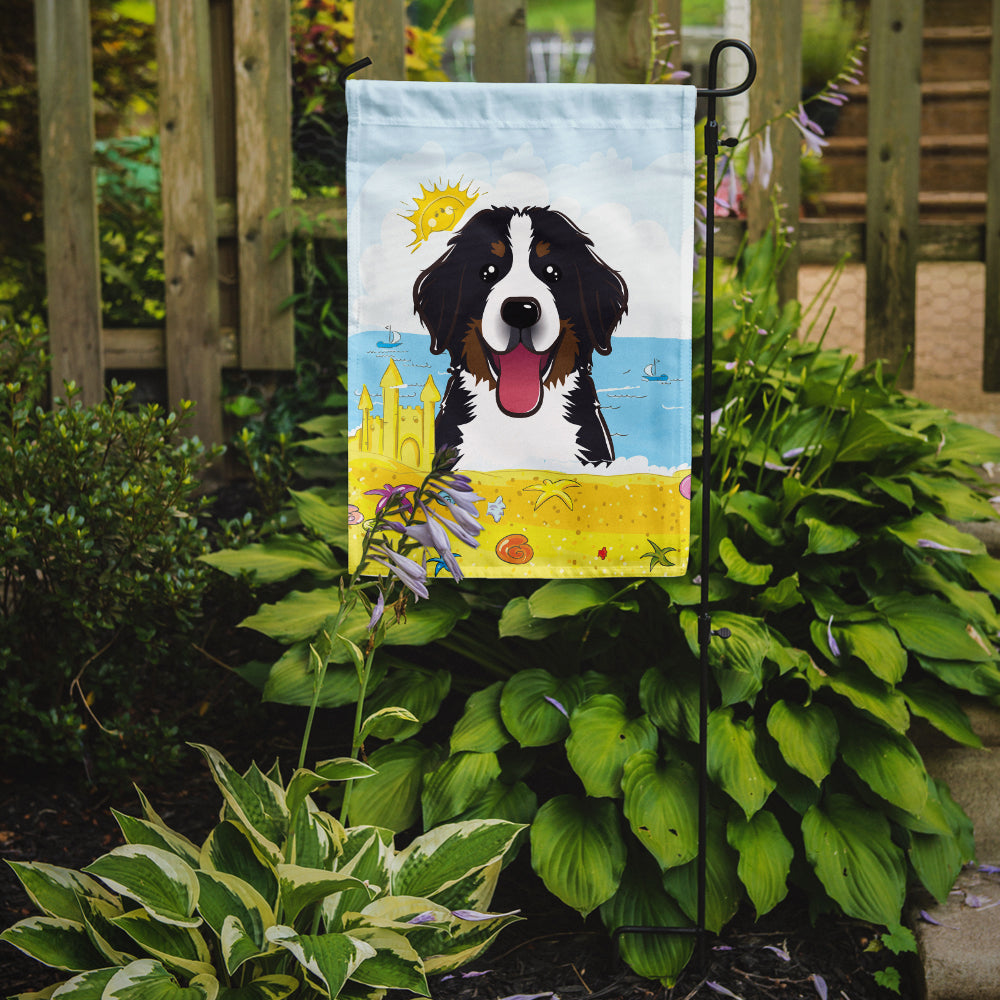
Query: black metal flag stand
point(705, 631)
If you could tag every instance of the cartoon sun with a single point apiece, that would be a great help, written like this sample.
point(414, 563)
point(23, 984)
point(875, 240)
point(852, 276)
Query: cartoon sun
point(439, 210)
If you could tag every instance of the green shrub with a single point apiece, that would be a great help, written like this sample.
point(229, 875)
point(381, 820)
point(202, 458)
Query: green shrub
point(99, 541)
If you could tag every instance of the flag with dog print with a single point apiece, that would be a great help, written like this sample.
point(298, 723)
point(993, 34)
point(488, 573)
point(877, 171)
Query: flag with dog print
point(520, 281)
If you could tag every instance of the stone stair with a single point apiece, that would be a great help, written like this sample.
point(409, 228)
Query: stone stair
point(954, 121)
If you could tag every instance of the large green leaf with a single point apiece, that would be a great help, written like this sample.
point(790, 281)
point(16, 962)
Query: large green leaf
point(738, 661)
point(86, 986)
point(438, 859)
point(888, 763)
point(976, 678)
point(578, 851)
point(876, 646)
point(941, 709)
point(535, 706)
point(391, 798)
point(602, 738)
point(924, 528)
point(807, 736)
point(661, 806)
point(516, 803)
point(280, 557)
point(866, 692)
point(931, 628)
point(481, 728)
point(957, 501)
point(640, 901)
point(56, 891)
point(420, 691)
point(163, 884)
point(180, 948)
point(739, 569)
point(765, 858)
point(851, 850)
point(456, 784)
point(870, 436)
point(292, 679)
point(558, 598)
point(144, 831)
point(147, 979)
point(327, 520)
point(55, 941)
point(827, 539)
point(330, 959)
point(225, 897)
point(517, 620)
point(670, 698)
point(732, 760)
point(723, 889)
point(230, 849)
point(301, 887)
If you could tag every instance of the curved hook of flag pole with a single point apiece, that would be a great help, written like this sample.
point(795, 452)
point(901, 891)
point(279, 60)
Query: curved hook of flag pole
point(353, 68)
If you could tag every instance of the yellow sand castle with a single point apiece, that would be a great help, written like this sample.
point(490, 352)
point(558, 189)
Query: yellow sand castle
point(403, 433)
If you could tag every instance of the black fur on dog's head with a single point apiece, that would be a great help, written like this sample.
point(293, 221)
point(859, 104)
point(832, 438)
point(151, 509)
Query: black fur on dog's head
point(505, 254)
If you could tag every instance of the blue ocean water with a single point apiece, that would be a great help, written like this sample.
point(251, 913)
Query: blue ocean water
point(644, 386)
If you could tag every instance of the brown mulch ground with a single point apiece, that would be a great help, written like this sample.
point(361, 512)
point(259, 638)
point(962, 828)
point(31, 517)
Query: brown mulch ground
point(550, 952)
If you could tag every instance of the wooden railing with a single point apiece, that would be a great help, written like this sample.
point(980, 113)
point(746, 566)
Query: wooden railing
point(226, 161)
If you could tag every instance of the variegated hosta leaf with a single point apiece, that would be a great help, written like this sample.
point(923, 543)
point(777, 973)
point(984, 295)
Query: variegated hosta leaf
point(329, 959)
point(732, 760)
point(158, 880)
point(86, 986)
point(481, 727)
point(304, 782)
point(230, 849)
point(367, 853)
point(147, 979)
point(456, 784)
point(274, 987)
point(395, 964)
point(661, 800)
point(177, 947)
point(116, 947)
point(765, 858)
point(315, 838)
point(723, 889)
point(578, 851)
point(602, 737)
point(225, 897)
point(141, 831)
point(56, 891)
point(642, 902)
point(807, 736)
point(54, 941)
point(468, 939)
point(850, 847)
point(475, 891)
point(256, 801)
point(441, 857)
point(888, 763)
point(301, 887)
point(535, 706)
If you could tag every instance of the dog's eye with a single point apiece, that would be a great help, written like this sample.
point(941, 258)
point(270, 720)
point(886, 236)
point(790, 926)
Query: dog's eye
point(551, 273)
point(489, 272)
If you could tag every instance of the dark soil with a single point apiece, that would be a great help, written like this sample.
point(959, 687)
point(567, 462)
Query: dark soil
point(551, 952)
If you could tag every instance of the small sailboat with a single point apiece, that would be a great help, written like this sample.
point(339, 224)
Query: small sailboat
point(649, 373)
point(393, 341)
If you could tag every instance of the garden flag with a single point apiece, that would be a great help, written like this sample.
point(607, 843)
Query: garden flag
point(520, 273)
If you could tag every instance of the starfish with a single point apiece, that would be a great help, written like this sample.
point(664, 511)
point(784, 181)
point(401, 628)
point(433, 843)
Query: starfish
point(495, 508)
point(658, 557)
point(549, 490)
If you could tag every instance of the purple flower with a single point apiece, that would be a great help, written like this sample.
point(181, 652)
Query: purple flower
point(377, 611)
point(390, 493)
point(761, 163)
point(411, 574)
point(927, 543)
point(431, 535)
point(834, 648)
point(475, 915)
point(811, 132)
point(780, 952)
point(820, 983)
point(552, 701)
point(427, 917)
point(719, 988)
point(465, 532)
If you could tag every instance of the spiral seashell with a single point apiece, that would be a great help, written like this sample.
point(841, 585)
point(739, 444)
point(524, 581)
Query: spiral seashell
point(685, 488)
point(515, 549)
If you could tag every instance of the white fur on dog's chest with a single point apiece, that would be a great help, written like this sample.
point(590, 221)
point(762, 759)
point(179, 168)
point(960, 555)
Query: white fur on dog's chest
point(494, 440)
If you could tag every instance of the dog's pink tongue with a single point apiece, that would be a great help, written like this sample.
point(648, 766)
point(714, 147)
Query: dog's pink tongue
point(520, 386)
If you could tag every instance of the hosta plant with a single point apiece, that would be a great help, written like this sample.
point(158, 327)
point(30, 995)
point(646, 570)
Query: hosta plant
point(854, 603)
point(279, 900)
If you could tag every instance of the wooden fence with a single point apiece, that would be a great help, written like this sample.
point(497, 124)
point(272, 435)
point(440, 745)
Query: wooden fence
point(226, 161)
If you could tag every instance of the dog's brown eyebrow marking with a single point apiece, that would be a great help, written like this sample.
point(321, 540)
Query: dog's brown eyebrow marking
point(542, 248)
point(499, 248)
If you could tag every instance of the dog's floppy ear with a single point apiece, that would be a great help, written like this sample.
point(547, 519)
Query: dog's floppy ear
point(604, 296)
point(435, 300)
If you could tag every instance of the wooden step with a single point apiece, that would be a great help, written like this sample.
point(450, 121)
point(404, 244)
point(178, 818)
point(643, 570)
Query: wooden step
point(945, 104)
point(956, 53)
point(947, 162)
point(957, 206)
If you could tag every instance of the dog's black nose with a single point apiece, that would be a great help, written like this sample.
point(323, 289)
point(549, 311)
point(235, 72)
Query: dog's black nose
point(520, 313)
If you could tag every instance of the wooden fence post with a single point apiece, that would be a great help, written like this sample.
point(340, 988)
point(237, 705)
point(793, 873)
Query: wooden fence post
point(991, 333)
point(501, 41)
point(190, 251)
point(72, 255)
point(623, 37)
point(262, 61)
point(892, 215)
point(380, 34)
point(776, 35)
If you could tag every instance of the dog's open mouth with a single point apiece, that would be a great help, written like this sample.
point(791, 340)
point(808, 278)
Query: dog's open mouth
point(520, 373)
